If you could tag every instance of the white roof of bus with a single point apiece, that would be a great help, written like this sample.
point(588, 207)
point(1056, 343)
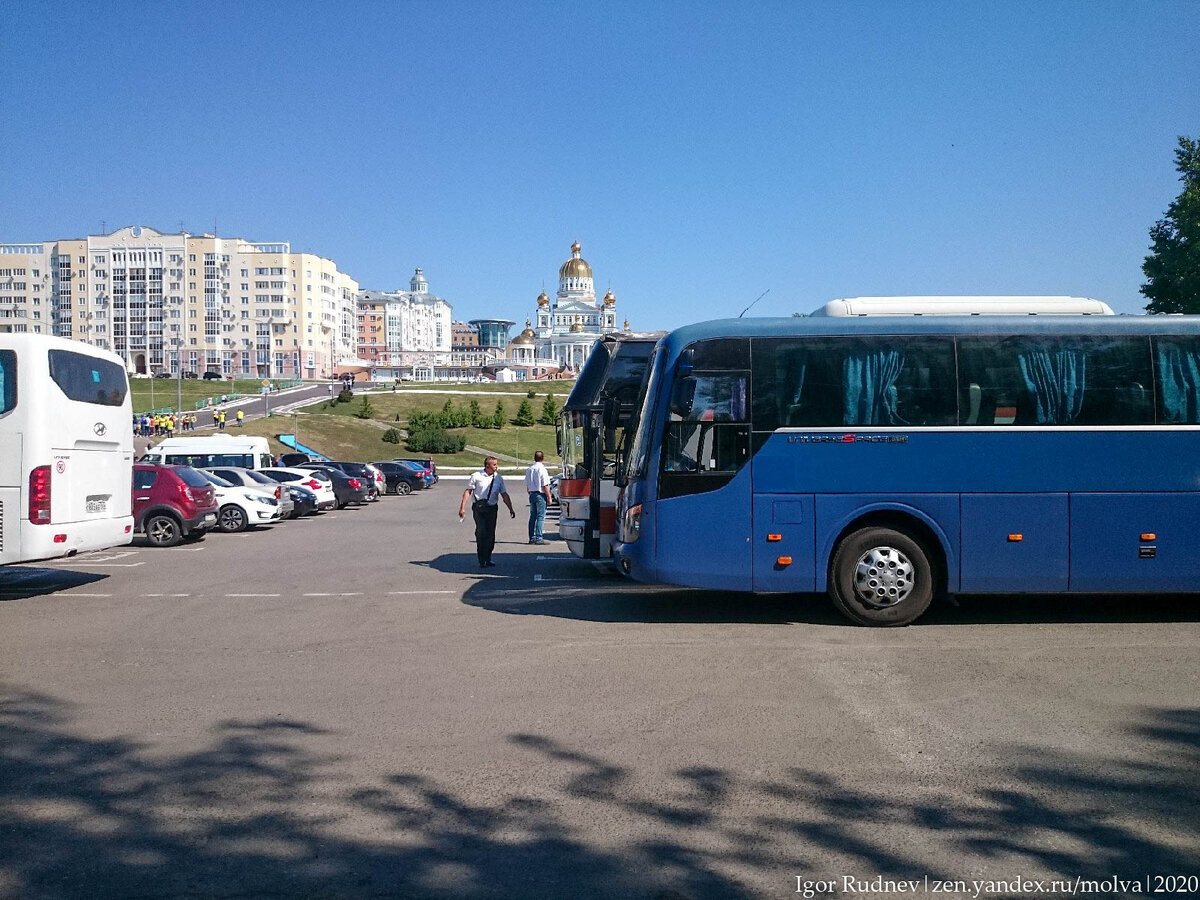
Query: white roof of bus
point(964, 306)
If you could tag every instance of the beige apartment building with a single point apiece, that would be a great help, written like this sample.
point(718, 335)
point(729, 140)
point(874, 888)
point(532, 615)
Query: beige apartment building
point(197, 302)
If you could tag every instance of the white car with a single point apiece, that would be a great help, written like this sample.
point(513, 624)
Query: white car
point(252, 480)
point(239, 508)
point(314, 481)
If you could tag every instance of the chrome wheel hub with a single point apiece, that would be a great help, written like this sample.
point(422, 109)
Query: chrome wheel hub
point(883, 576)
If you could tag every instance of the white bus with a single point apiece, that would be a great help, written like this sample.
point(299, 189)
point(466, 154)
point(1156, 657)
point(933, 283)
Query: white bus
point(241, 451)
point(66, 449)
point(964, 306)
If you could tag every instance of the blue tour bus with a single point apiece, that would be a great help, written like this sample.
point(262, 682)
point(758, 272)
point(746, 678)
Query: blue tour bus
point(888, 459)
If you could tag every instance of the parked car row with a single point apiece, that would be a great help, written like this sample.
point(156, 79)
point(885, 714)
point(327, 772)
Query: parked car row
point(172, 503)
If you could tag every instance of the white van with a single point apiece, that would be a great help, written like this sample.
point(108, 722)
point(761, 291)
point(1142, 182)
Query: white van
point(243, 451)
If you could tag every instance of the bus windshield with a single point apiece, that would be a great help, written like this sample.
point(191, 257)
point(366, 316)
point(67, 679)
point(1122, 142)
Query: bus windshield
point(642, 423)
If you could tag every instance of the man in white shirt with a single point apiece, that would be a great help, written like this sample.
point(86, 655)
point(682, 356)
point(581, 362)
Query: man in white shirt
point(486, 490)
point(537, 483)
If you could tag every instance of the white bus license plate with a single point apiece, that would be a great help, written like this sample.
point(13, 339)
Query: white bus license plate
point(97, 506)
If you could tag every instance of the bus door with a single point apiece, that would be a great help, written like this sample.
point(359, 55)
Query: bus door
point(703, 508)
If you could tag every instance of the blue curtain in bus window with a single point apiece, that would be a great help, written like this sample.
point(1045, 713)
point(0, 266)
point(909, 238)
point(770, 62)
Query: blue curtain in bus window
point(869, 387)
point(1056, 380)
point(1178, 370)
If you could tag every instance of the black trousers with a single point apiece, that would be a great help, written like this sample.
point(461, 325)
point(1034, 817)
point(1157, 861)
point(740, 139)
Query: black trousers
point(485, 530)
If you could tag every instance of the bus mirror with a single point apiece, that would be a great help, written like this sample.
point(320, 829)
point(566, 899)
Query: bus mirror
point(558, 437)
point(686, 363)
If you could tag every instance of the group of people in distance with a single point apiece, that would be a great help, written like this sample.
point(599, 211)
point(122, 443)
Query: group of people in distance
point(163, 424)
point(484, 491)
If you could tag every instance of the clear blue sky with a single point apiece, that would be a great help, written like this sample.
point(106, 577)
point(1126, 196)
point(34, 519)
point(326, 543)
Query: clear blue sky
point(702, 153)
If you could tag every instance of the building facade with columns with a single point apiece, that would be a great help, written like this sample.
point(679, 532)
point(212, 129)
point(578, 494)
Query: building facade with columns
point(565, 328)
point(197, 303)
point(405, 333)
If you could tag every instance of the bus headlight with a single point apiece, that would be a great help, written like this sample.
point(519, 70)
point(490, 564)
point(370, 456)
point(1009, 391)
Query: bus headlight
point(631, 525)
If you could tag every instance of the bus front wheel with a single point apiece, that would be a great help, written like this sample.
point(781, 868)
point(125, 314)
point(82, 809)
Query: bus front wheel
point(880, 576)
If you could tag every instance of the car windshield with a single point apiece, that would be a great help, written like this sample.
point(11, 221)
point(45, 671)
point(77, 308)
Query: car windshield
point(258, 476)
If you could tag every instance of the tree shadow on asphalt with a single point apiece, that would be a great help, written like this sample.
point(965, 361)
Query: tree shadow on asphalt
point(262, 811)
point(23, 582)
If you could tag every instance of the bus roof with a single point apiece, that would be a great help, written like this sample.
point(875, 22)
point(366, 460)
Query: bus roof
point(801, 326)
point(966, 305)
point(602, 372)
point(24, 341)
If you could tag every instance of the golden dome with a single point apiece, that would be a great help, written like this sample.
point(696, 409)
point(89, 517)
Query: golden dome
point(575, 267)
point(610, 299)
point(527, 336)
point(543, 299)
point(577, 325)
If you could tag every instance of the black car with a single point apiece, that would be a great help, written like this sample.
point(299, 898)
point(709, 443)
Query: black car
point(304, 501)
point(400, 479)
point(356, 470)
point(346, 488)
point(163, 375)
point(294, 459)
point(212, 376)
point(190, 375)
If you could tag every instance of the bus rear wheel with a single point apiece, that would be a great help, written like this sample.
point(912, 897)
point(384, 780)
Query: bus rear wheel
point(881, 576)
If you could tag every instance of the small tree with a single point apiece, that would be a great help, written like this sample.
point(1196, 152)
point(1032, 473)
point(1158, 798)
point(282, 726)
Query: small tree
point(391, 436)
point(549, 414)
point(1172, 269)
point(499, 418)
point(477, 415)
point(366, 409)
point(525, 413)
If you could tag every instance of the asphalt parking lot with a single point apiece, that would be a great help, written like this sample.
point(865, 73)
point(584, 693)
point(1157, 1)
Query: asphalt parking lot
point(346, 706)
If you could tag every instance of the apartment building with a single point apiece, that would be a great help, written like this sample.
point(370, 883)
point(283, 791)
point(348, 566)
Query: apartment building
point(199, 303)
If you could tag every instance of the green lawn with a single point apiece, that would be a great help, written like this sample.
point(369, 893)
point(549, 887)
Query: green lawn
point(343, 437)
point(160, 393)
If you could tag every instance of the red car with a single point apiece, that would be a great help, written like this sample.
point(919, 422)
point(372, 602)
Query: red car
point(171, 503)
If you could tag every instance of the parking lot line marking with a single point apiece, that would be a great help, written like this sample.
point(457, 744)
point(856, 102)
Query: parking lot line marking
point(355, 594)
point(406, 593)
point(251, 595)
point(166, 595)
point(84, 562)
point(544, 578)
point(73, 594)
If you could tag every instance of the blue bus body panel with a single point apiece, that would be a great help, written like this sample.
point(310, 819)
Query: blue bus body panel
point(790, 519)
point(1108, 555)
point(710, 537)
point(1015, 543)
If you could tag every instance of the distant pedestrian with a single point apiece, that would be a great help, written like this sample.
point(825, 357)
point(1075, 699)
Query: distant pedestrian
point(486, 490)
point(221, 420)
point(537, 483)
point(241, 418)
point(329, 388)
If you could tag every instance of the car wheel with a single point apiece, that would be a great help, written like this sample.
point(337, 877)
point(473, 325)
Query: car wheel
point(881, 576)
point(163, 531)
point(231, 518)
point(403, 487)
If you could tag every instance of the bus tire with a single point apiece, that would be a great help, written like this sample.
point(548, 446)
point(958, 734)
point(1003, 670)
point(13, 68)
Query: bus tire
point(163, 531)
point(231, 518)
point(881, 576)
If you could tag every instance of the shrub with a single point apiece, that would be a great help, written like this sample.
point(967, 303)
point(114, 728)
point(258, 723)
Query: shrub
point(345, 396)
point(365, 410)
point(549, 414)
point(391, 436)
point(499, 417)
point(434, 440)
point(525, 413)
point(531, 393)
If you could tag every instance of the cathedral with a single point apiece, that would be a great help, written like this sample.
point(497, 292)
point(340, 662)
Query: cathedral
point(566, 327)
